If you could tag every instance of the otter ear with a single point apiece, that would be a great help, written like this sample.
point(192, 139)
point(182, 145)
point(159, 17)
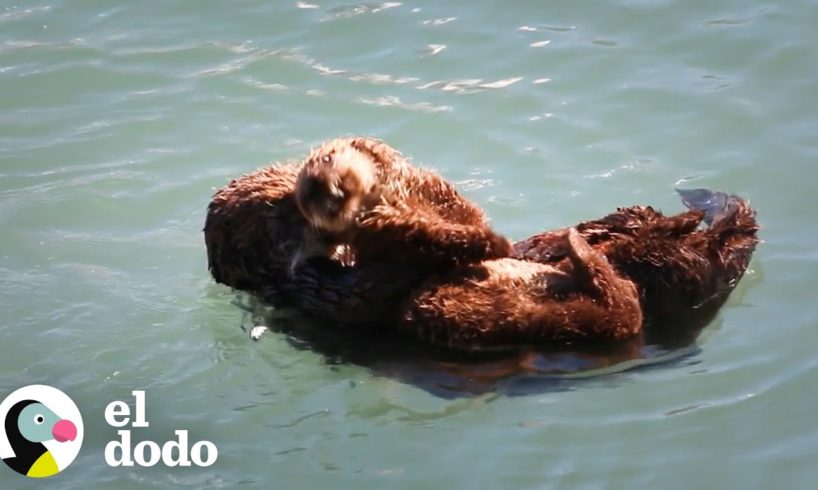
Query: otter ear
point(377, 149)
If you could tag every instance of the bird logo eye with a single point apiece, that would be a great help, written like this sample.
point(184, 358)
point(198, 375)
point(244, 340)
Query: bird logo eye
point(39, 419)
point(326, 158)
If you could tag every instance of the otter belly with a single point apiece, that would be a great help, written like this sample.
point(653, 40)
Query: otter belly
point(518, 271)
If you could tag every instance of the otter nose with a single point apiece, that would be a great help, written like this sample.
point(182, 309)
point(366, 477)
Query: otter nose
point(335, 200)
point(64, 430)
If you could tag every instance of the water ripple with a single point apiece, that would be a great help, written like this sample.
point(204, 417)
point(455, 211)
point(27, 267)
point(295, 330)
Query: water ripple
point(11, 15)
point(394, 101)
point(352, 10)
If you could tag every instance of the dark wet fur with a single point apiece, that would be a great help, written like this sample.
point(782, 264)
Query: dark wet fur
point(507, 303)
point(406, 216)
point(682, 273)
point(254, 229)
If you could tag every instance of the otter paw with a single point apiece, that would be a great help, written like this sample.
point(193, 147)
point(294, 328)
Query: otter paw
point(498, 247)
point(379, 217)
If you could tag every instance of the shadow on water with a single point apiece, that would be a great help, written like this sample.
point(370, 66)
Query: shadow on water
point(452, 374)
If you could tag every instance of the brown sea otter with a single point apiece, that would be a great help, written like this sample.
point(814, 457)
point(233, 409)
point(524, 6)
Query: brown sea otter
point(677, 268)
point(254, 232)
point(362, 192)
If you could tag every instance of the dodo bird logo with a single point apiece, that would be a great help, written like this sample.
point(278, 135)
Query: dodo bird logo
point(41, 432)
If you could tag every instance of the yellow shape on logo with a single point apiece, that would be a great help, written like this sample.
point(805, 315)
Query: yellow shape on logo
point(44, 466)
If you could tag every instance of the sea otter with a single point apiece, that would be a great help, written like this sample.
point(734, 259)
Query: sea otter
point(254, 232)
point(683, 272)
point(362, 192)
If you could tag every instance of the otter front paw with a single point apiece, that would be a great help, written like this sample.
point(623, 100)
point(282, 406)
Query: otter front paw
point(314, 244)
point(498, 247)
point(383, 216)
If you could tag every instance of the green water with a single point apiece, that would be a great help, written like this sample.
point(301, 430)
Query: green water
point(118, 119)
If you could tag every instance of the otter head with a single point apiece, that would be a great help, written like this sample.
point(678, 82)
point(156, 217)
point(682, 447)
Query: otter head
point(338, 182)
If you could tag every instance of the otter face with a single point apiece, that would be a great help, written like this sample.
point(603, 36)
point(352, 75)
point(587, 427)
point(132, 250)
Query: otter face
point(334, 186)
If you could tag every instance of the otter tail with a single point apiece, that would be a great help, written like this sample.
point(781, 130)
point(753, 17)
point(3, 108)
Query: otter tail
point(732, 232)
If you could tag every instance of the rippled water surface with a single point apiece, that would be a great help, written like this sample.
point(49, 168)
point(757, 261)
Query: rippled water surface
point(118, 119)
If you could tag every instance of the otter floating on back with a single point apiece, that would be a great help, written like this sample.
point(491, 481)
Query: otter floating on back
point(677, 268)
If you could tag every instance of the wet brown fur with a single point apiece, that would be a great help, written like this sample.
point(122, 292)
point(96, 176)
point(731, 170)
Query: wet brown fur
point(363, 192)
point(679, 268)
point(510, 302)
point(254, 230)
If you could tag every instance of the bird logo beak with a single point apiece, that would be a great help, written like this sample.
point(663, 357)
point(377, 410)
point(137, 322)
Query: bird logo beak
point(64, 430)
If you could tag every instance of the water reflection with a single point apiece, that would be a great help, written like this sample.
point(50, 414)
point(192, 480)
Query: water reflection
point(452, 374)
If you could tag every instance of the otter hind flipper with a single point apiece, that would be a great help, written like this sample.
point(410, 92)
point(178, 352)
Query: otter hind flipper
point(732, 234)
point(714, 203)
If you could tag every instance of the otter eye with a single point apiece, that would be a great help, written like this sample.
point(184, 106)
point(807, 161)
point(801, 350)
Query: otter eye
point(39, 419)
point(326, 158)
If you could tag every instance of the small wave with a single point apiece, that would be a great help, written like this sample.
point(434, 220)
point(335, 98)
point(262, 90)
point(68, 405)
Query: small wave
point(346, 11)
point(15, 44)
point(433, 49)
point(438, 22)
point(21, 14)
point(474, 184)
point(394, 101)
